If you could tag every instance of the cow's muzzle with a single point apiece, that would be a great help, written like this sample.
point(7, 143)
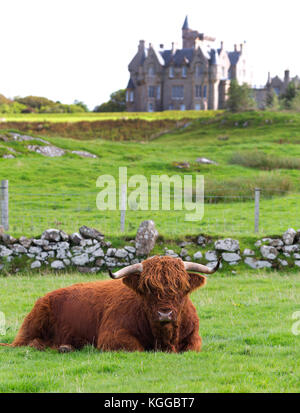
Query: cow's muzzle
point(165, 317)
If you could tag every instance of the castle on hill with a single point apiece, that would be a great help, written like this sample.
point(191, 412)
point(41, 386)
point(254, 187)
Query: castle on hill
point(196, 76)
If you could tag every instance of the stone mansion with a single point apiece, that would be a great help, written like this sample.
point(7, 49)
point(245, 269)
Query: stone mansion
point(197, 76)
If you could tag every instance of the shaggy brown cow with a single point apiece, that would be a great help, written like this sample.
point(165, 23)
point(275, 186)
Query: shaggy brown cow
point(148, 309)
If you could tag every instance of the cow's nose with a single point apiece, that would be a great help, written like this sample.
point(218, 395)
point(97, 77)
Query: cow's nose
point(165, 317)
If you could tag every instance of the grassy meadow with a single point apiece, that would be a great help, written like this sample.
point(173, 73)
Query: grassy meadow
point(251, 149)
point(245, 324)
point(245, 319)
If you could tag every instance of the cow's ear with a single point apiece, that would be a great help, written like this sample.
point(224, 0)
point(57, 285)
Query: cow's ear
point(196, 280)
point(132, 281)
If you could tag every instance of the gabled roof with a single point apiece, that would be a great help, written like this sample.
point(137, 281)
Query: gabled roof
point(130, 84)
point(180, 57)
point(185, 24)
point(234, 57)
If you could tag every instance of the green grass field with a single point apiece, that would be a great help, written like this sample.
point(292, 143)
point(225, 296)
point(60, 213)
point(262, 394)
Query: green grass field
point(245, 319)
point(245, 323)
point(61, 192)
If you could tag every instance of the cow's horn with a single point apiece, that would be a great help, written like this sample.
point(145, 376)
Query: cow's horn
point(193, 266)
point(131, 269)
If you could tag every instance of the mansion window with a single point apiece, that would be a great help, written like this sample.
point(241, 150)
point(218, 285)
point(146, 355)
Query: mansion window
point(158, 92)
point(184, 71)
point(198, 91)
point(197, 106)
point(151, 91)
point(199, 70)
point(150, 107)
point(151, 71)
point(205, 91)
point(177, 92)
point(131, 96)
point(127, 96)
point(171, 71)
point(182, 107)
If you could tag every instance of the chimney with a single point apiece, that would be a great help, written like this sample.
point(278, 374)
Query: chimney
point(222, 45)
point(161, 46)
point(241, 47)
point(269, 78)
point(286, 76)
point(141, 45)
point(235, 48)
point(173, 48)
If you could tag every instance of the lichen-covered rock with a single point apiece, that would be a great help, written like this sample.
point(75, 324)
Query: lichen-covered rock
point(211, 256)
point(121, 253)
point(231, 257)
point(183, 253)
point(35, 250)
point(289, 236)
point(7, 239)
point(268, 252)
point(25, 242)
point(111, 252)
point(5, 252)
point(284, 263)
point(80, 260)
point(51, 235)
point(171, 253)
point(57, 265)
point(297, 263)
point(198, 255)
point(277, 243)
point(145, 238)
point(257, 264)
point(291, 248)
point(228, 244)
point(76, 238)
point(19, 249)
point(130, 249)
point(35, 264)
point(89, 233)
point(40, 242)
point(248, 253)
point(201, 240)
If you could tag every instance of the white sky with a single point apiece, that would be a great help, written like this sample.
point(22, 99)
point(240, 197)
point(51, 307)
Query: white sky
point(80, 49)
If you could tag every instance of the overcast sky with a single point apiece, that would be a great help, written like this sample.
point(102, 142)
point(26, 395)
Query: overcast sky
point(80, 49)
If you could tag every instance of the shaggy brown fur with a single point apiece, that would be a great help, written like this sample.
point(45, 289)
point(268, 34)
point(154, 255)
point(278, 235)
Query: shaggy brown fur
point(119, 314)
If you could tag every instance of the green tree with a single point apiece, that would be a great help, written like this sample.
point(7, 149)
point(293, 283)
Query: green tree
point(239, 97)
point(117, 103)
point(272, 101)
point(34, 102)
point(289, 95)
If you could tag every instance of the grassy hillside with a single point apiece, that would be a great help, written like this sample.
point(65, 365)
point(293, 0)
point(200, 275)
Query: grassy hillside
point(61, 192)
point(245, 324)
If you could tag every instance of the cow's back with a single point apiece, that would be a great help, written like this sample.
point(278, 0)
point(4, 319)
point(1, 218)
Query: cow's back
point(77, 312)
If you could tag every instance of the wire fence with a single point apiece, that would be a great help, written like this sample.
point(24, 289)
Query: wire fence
point(29, 213)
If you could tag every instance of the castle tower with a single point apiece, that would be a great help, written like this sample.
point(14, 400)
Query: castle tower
point(188, 36)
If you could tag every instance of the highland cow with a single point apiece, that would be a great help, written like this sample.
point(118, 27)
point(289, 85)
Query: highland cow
point(145, 308)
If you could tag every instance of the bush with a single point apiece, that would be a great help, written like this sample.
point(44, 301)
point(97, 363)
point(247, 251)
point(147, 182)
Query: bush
point(261, 160)
point(242, 188)
point(239, 97)
point(117, 103)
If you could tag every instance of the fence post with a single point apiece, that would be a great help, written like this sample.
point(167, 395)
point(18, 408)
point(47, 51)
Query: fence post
point(123, 206)
point(257, 198)
point(4, 205)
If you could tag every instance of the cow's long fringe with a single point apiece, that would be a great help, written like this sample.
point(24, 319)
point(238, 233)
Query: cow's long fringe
point(164, 275)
